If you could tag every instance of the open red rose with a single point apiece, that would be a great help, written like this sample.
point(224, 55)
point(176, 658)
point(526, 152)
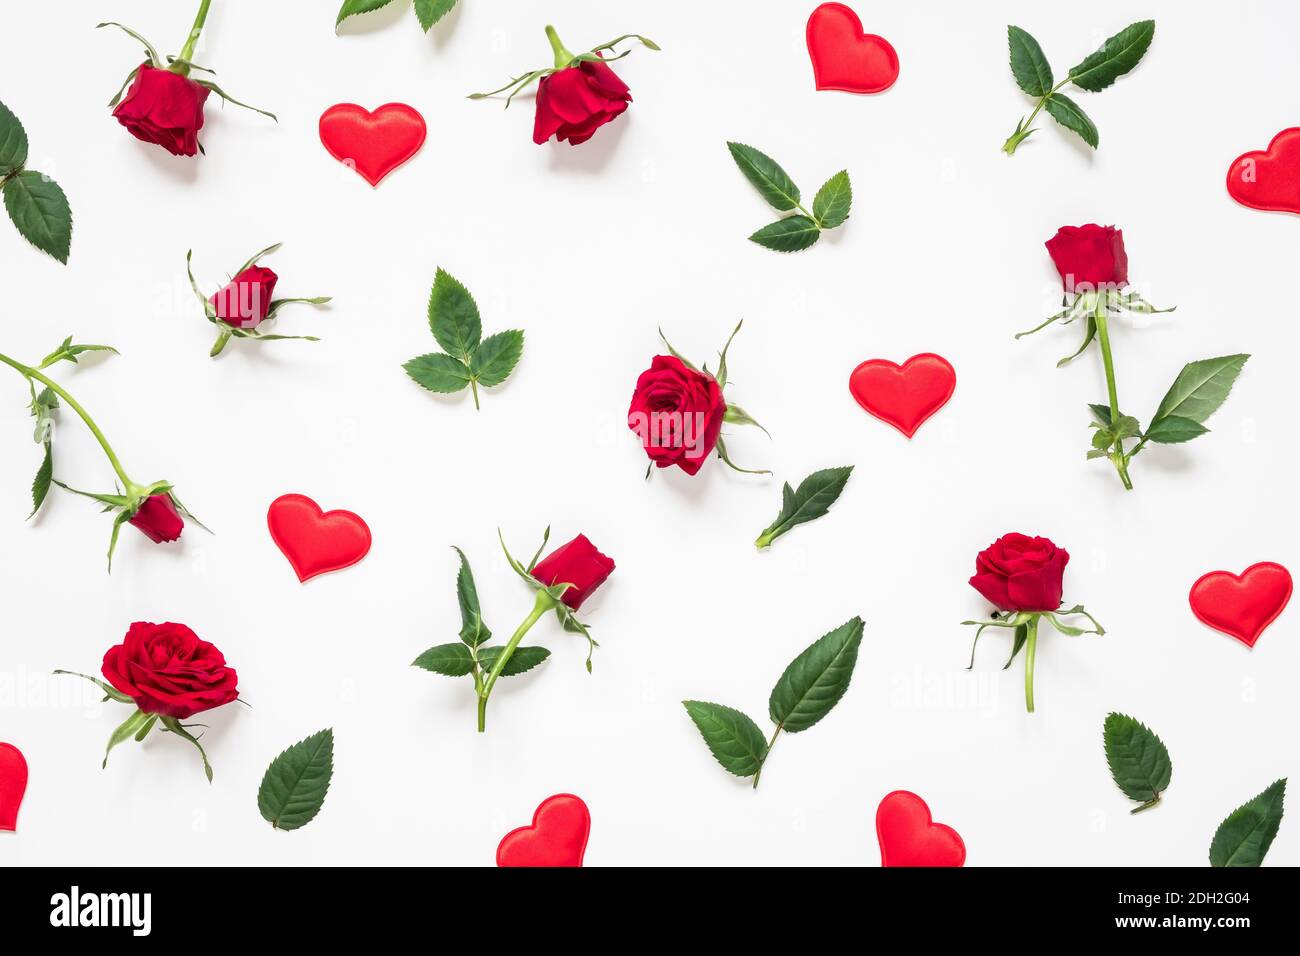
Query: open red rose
point(166, 669)
point(158, 519)
point(244, 301)
point(164, 107)
point(677, 413)
point(575, 102)
point(578, 563)
point(1020, 573)
point(1090, 255)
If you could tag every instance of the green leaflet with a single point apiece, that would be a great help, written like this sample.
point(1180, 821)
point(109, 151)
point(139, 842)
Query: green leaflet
point(351, 8)
point(472, 629)
point(450, 660)
point(832, 202)
point(41, 484)
point(732, 737)
point(438, 372)
point(523, 659)
point(453, 316)
point(1117, 56)
point(1201, 387)
point(1137, 758)
point(430, 12)
point(797, 232)
point(792, 234)
point(1244, 837)
point(816, 679)
point(1066, 112)
point(771, 181)
point(40, 211)
point(496, 357)
point(814, 497)
point(1174, 429)
point(1028, 63)
point(294, 786)
point(13, 142)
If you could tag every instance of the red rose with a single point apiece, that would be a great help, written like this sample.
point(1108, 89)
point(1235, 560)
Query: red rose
point(165, 108)
point(574, 102)
point(1020, 573)
point(166, 669)
point(1089, 255)
point(577, 563)
point(677, 413)
point(244, 301)
point(158, 519)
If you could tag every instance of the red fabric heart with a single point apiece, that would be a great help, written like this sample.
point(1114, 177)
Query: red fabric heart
point(13, 784)
point(845, 58)
point(374, 144)
point(1269, 179)
point(557, 836)
point(1242, 605)
point(909, 837)
point(314, 541)
point(904, 395)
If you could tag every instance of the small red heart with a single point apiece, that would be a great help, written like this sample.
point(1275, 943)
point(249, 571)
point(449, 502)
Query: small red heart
point(904, 395)
point(13, 784)
point(1242, 605)
point(909, 836)
point(374, 144)
point(557, 836)
point(316, 542)
point(1269, 179)
point(845, 58)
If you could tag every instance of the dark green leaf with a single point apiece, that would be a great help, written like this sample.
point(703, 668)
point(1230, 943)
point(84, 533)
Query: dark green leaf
point(431, 11)
point(813, 499)
point(39, 209)
point(523, 659)
point(41, 484)
point(1137, 758)
point(295, 784)
point(768, 178)
point(1117, 56)
point(1101, 414)
point(733, 738)
point(1066, 112)
point(353, 7)
point(496, 357)
point(792, 234)
point(453, 316)
point(1201, 387)
point(1028, 64)
point(832, 202)
point(450, 660)
point(816, 679)
point(438, 372)
point(1173, 429)
point(1245, 836)
point(13, 142)
point(472, 629)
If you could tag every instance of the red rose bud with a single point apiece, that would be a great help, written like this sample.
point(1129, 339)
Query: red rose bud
point(575, 102)
point(164, 107)
point(1020, 573)
point(1091, 256)
point(246, 299)
point(577, 563)
point(159, 519)
point(166, 669)
point(677, 413)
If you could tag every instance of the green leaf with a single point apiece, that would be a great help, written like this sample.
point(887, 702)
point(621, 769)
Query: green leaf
point(816, 679)
point(831, 204)
point(1028, 64)
point(1117, 56)
point(1174, 429)
point(1201, 387)
point(450, 660)
point(351, 8)
point(431, 11)
point(13, 142)
point(1137, 759)
point(767, 176)
point(732, 737)
point(438, 372)
point(1089, 333)
point(472, 629)
point(453, 316)
point(295, 784)
point(39, 209)
point(41, 484)
point(792, 234)
point(1245, 836)
point(124, 732)
point(814, 498)
point(496, 357)
point(1017, 642)
point(1066, 112)
point(110, 692)
point(1101, 414)
point(523, 659)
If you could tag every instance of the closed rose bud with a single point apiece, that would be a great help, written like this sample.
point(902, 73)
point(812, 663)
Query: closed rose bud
point(158, 519)
point(577, 563)
point(1090, 255)
point(245, 300)
point(1020, 573)
point(575, 102)
point(164, 107)
point(168, 670)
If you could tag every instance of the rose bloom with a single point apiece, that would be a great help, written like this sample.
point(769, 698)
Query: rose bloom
point(574, 102)
point(165, 108)
point(578, 563)
point(1020, 573)
point(677, 413)
point(244, 301)
point(1093, 255)
point(158, 518)
point(166, 669)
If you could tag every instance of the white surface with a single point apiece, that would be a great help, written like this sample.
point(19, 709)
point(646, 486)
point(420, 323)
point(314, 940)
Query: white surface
point(589, 249)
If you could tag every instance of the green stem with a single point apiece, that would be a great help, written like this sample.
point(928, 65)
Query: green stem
point(1031, 645)
point(473, 387)
point(1016, 138)
point(562, 56)
point(543, 603)
point(187, 50)
point(1148, 805)
point(1119, 459)
point(759, 772)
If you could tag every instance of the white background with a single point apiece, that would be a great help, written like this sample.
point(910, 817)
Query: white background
point(589, 249)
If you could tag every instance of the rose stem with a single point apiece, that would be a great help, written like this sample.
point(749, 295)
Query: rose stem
point(187, 51)
point(1103, 338)
point(759, 772)
point(1031, 645)
point(562, 56)
point(543, 603)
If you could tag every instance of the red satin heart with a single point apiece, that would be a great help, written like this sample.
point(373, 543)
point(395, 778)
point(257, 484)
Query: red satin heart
point(1269, 179)
point(1242, 605)
point(909, 837)
point(904, 395)
point(374, 144)
point(845, 58)
point(556, 837)
point(316, 542)
point(13, 784)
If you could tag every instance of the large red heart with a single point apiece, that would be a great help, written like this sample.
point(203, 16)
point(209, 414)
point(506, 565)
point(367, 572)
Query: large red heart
point(1242, 604)
point(556, 837)
point(314, 541)
point(13, 784)
point(1269, 179)
point(904, 395)
point(845, 58)
point(374, 144)
point(909, 836)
